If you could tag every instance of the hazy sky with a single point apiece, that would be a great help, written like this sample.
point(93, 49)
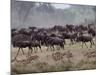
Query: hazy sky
point(61, 6)
point(25, 14)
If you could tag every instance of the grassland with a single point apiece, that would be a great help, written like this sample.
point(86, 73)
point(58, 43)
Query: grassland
point(80, 59)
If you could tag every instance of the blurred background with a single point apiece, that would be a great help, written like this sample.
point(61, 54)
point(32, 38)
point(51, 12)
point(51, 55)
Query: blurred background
point(39, 14)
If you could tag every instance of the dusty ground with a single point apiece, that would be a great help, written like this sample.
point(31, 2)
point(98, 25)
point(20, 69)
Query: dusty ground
point(82, 58)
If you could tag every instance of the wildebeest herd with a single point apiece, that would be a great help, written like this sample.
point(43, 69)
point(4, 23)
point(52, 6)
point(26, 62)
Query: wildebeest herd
point(53, 38)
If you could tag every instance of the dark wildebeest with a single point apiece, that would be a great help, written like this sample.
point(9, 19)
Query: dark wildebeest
point(70, 36)
point(85, 39)
point(14, 32)
point(73, 37)
point(59, 36)
point(21, 45)
point(22, 41)
point(83, 28)
point(25, 31)
point(32, 28)
point(38, 37)
point(59, 28)
point(52, 41)
point(71, 28)
point(36, 45)
point(92, 32)
point(92, 29)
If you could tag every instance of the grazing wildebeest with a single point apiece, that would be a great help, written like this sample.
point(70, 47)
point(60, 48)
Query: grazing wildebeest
point(85, 39)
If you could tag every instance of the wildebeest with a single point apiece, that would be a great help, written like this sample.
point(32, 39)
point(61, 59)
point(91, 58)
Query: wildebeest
point(14, 32)
point(70, 28)
point(70, 36)
point(36, 45)
point(92, 32)
point(22, 41)
point(85, 39)
point(52, 41)
point(59, 28)
point(50, 37)
point(21, 45)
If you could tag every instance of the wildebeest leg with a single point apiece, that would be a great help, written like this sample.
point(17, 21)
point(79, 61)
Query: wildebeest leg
point(22, 51)
point(58, 47)
point(91, 44)
point(40, 48)
point(53, 47)
point(17, 53)
point(64, 41)
point(75, 41)
point(47, 48)
point(85, 44)
point(50, 47)
point(35, 49)
point(70, 42)
point(82, 44)
point(63, 47)
point(30, 51)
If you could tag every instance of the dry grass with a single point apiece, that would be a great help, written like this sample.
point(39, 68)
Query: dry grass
point(71, 58)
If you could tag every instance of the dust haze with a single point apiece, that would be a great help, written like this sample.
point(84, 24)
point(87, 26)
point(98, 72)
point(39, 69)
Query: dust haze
point(38, 14)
